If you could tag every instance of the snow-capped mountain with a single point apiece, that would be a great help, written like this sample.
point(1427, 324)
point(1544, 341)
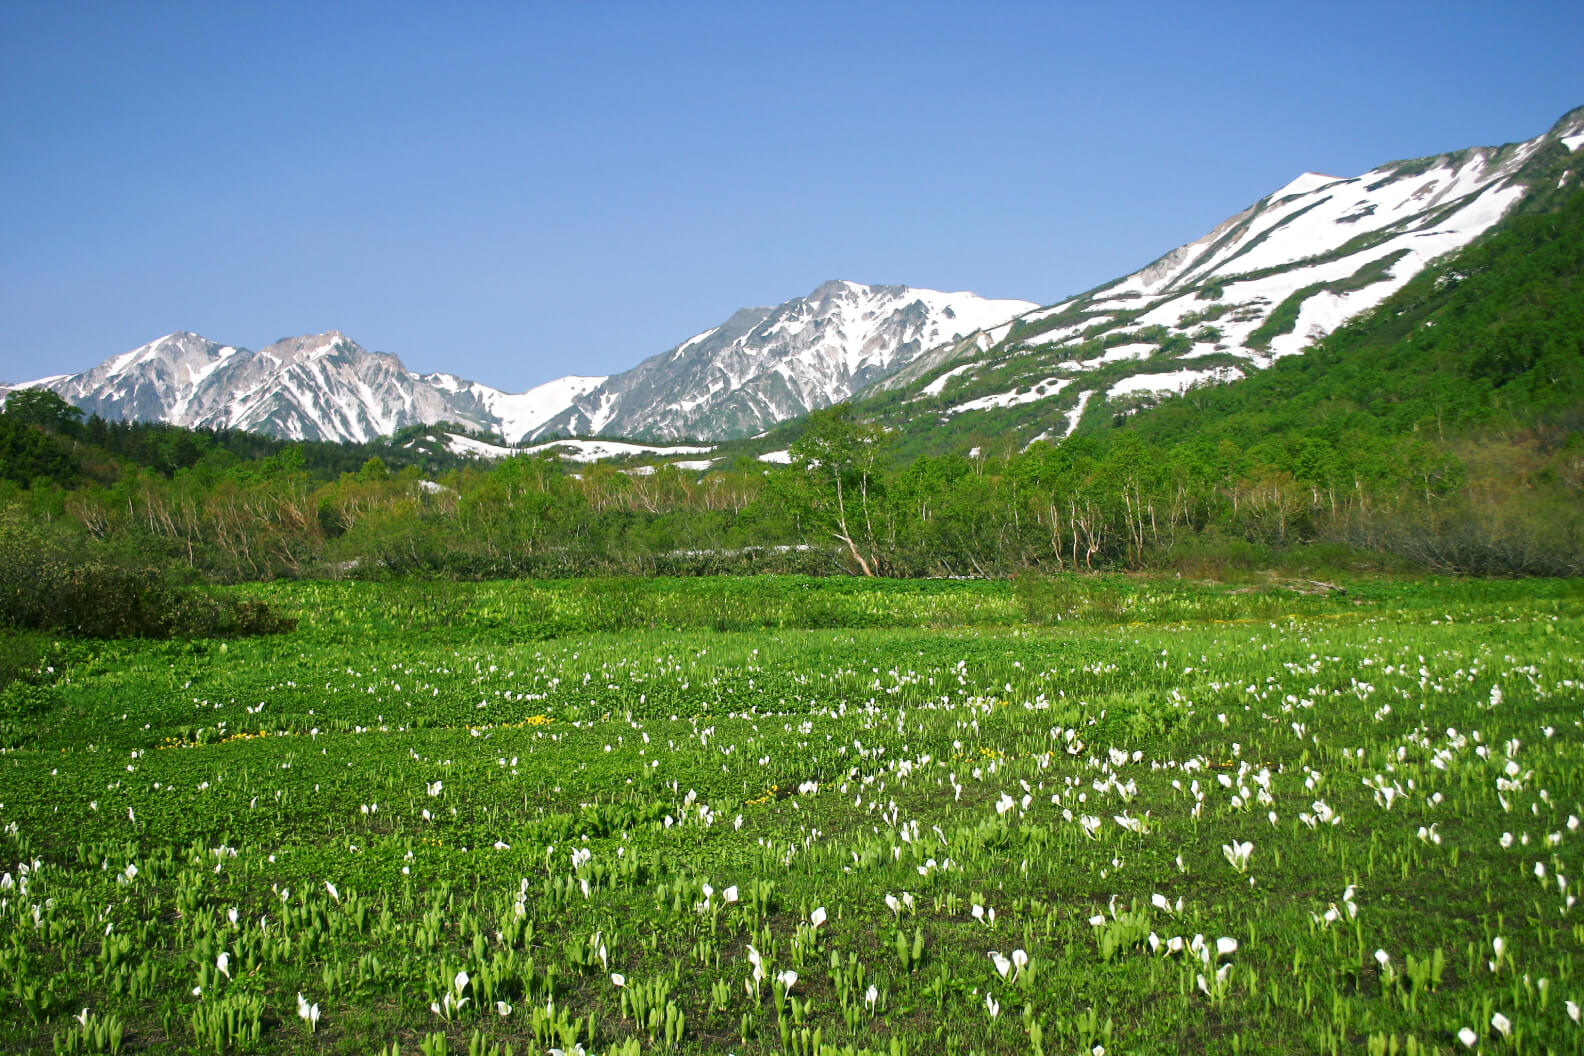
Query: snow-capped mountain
point(1266, 283)
point(762, 366)
point(766, 365)
point(323, 387)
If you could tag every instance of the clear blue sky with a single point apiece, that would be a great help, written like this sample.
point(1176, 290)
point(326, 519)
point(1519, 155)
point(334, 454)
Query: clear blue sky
point(522, 191)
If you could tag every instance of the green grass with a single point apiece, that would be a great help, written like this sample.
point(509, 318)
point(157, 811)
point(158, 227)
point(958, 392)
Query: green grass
point(438, 754)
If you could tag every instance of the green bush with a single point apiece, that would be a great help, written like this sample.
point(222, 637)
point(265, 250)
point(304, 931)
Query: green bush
point(1216, 556)
point(21, 655)
point(50, 581)
point(1055, 599)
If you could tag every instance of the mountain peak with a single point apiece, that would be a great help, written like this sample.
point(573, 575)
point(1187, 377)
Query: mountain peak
point(848, 288)
point(766, 365)
point(1573, 119)
point(1303, 184)
point(313, 345)
point(835, 288)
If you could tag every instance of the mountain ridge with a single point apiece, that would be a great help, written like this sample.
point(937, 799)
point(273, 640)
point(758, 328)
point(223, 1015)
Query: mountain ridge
point(327, 387)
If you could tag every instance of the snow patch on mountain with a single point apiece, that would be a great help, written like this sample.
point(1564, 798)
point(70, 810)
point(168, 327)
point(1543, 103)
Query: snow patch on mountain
point(936, 387)
point(576, 450)
point(1040, 390)
point(520, 413)
point(471, 448)
point(1075, 415)
point(1172, 381)
point(1118, 354)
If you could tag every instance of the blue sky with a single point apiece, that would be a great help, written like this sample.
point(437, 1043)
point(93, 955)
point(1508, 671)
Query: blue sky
point(522, 191)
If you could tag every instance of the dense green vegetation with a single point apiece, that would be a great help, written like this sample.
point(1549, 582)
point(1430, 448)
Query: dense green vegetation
point(807, 816)
point(46, 442)
point(846, 504)
point(88, 592)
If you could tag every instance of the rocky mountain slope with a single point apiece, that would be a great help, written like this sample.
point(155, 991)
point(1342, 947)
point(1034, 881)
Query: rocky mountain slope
point(323, 387)
point(766, 365)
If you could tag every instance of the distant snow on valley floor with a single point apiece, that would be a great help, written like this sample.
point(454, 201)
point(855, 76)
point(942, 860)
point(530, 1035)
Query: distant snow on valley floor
point(471, 448)
point(578, 450)
point(594, 450)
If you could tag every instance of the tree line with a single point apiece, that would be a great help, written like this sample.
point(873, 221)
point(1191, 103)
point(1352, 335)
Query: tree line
point(845, 504)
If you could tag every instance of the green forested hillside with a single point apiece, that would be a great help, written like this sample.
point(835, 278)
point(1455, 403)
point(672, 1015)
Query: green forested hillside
point(1466, 386)
point(1489, 341)
point(45, 441)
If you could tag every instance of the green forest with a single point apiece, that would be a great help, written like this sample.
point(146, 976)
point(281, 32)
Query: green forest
point(1443, 431)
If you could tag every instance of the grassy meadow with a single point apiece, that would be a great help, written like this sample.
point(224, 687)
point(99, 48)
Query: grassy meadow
point(806, 816)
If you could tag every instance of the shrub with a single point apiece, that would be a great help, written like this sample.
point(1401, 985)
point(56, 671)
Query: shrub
point(50, 581)
point(1054, 599)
